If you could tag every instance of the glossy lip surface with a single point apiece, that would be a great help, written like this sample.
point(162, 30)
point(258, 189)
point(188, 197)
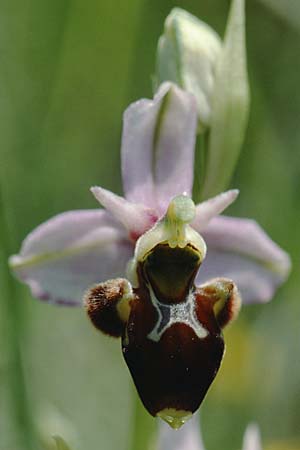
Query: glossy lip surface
point(171, 271)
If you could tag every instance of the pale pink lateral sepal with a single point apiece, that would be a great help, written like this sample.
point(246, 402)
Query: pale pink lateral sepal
point(240, 249)
point(158, 147)
point(64, 256)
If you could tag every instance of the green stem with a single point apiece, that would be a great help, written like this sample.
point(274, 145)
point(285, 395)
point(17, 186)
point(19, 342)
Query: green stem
point(22, 436)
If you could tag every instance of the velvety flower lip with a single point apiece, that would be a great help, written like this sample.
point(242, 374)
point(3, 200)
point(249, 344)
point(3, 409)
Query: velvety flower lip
point(189, 437)
point(62, 257)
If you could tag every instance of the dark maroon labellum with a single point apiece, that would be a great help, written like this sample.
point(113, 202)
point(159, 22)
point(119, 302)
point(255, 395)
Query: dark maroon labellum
point(174, 369)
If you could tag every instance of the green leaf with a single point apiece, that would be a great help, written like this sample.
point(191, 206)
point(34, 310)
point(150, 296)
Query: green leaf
point(230, 105)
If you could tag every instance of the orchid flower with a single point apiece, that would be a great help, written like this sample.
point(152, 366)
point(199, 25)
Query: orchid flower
point(169, 316)
point(189, 438)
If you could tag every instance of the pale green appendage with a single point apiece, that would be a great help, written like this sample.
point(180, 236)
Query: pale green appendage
point(174, 417)
point(181, 212)
point(22, 434)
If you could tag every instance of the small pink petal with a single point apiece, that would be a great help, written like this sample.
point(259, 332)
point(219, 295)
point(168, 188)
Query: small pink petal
point(207, 210)
point(239, 249)
point(62, 257)
point(158, 147)
point(136, 218)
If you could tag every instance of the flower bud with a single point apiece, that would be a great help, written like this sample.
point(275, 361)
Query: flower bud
point(191, 54)
point(187, 54)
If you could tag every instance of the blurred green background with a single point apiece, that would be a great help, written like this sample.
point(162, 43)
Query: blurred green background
point(68, 70)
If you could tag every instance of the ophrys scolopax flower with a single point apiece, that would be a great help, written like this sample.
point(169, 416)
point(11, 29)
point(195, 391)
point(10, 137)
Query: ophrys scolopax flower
point(169, 320)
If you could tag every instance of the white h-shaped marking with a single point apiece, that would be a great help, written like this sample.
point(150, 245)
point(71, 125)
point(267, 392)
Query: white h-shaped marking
point(177, 313)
